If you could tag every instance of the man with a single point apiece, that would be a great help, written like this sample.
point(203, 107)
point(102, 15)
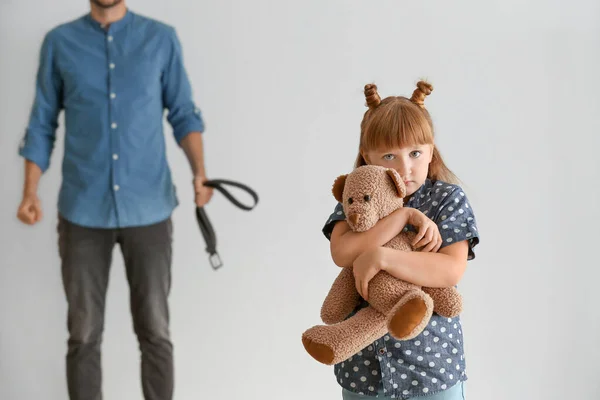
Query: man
point(113, 72)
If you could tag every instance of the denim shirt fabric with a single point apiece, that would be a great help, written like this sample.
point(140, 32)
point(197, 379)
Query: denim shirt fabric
point(114, 85)
point(434, 360)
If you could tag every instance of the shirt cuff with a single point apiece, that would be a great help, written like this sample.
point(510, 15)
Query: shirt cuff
point(192, 123)
point(36, 151)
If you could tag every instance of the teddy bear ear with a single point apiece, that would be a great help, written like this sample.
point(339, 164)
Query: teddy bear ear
point(338, 188)
point(397, 179)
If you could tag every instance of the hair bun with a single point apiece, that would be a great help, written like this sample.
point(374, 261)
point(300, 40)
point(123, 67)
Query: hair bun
point(371, 95)
point(423, 90)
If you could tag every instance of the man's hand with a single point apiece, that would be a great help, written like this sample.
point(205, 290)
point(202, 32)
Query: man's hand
point(30, 209)
point(203, 194)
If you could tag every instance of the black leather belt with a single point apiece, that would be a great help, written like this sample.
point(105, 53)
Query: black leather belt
point(206, 227)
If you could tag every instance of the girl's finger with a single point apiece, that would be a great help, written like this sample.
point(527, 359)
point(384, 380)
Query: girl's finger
point(430, 246)
point(365, 289)
point(438, 245)
point(358, 286)
point(419, 243)
point(426, 239)
point(419, 236)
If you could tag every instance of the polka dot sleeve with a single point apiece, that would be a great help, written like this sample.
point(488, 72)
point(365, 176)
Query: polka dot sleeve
point(337, 215)
point(456, 220)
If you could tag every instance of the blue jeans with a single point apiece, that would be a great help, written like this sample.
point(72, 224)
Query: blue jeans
point(456, 392)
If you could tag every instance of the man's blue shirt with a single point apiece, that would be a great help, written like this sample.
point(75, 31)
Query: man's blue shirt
point(114, 85)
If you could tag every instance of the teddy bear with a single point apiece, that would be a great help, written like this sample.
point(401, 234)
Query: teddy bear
point(402, 309)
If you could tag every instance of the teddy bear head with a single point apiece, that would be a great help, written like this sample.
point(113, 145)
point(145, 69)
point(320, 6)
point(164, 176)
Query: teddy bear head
point(368, 194)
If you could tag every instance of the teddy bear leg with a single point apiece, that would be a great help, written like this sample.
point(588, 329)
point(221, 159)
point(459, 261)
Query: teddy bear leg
point(342, 298)
point(331, 344)
point(410, 315)
point(447, 302)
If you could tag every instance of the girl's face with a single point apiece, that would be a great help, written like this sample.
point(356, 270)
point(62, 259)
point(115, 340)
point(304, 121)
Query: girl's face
point(411, 162)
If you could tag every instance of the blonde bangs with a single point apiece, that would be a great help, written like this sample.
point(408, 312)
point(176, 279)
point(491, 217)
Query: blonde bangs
point(397, 122)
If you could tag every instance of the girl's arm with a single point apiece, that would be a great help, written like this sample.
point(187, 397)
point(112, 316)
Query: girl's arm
point(456, 222)
point(442, 269)
point(347, 245)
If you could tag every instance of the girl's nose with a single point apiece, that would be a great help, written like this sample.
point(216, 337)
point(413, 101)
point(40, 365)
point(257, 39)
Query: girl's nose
point(404, 169)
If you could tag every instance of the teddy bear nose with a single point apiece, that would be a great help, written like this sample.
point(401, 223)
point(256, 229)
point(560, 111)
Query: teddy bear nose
point(354, 218)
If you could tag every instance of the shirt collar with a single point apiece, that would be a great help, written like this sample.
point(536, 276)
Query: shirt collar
point(420, 196)
point(115, 26)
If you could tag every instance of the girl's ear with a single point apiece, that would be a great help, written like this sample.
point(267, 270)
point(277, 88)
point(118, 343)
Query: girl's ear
point(338, 188)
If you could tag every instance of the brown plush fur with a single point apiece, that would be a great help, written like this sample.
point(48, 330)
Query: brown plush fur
point(399, 308)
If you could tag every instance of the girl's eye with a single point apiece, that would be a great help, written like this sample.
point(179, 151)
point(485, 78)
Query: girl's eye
point(350, 200)
point(389, 157)
point(367, 197)
point(415, 153)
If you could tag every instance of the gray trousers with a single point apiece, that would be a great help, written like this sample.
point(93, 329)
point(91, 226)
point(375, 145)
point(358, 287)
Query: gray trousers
point(86, 256)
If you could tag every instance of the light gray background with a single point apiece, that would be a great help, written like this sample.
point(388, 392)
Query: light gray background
point(516, 106)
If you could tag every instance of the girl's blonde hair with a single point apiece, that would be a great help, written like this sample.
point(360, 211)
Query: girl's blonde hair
point(398, 121)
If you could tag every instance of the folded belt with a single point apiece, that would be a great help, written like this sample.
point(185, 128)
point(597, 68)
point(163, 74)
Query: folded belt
point(208, 232)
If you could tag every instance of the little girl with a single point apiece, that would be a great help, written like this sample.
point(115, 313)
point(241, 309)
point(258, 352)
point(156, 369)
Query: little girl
point(397, 132)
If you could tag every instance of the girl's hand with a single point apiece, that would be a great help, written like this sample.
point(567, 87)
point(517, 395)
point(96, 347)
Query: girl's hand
point(365, 267)
point(428, 236)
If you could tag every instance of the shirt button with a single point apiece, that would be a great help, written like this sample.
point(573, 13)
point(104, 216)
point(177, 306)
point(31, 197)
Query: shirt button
point(115, 156)
point(114, 125)
point(112, 66)
point(116, 187)
point(381, 351)
point(112, 95)
point(110, 38)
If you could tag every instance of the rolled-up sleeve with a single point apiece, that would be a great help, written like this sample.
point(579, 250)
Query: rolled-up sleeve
point(38, 143)
point(456, 220)
point(183, 115)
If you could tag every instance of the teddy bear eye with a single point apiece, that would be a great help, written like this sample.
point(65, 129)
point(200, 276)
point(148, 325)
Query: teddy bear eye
point(367, 197)
point(350, 200)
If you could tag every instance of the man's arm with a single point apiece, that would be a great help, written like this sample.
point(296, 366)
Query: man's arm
point(193, 148)
point(183, 116)
point(185, 119)
point(33, 173)
point(38, 143)
point(30, 209)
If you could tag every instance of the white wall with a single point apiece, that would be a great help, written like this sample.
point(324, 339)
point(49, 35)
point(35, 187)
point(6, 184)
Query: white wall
point(516, 105)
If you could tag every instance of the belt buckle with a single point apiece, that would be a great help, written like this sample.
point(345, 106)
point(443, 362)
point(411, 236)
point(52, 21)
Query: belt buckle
point(215, 261)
